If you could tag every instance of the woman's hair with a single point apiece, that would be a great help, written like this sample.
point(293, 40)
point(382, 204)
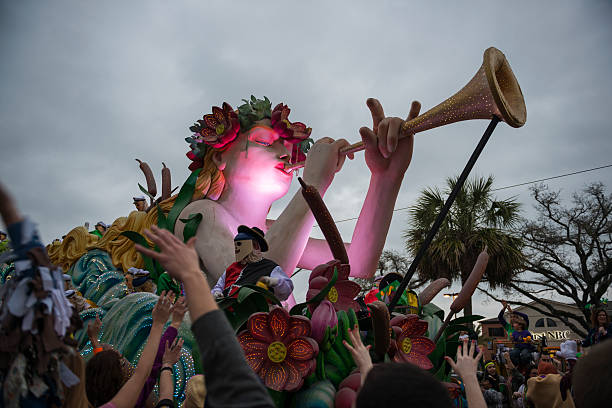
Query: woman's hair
point(546, 368)
point(594, 315)
point(104, 377)
point(195, 392)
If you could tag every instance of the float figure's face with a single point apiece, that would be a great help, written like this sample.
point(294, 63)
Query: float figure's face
point(140, 205)
point(243, 249)
point(256, 159)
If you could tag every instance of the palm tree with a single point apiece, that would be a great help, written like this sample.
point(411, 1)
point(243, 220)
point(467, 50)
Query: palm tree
point(475, 220)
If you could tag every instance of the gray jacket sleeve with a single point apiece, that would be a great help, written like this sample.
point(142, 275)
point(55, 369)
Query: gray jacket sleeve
point(230, 382)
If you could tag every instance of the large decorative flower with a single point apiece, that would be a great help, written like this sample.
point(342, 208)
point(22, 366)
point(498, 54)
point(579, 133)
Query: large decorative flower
point(410, 343)
point(219, 128)
point(344, 291)
point(279, 349)
point(292, 132)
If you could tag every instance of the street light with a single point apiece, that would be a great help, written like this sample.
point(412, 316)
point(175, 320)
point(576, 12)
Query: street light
point(451, 295)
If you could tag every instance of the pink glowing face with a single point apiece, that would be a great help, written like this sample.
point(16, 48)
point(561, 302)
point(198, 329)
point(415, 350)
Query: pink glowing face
point(256, 160)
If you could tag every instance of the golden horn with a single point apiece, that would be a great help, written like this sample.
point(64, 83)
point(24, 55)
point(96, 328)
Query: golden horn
point(493, 90)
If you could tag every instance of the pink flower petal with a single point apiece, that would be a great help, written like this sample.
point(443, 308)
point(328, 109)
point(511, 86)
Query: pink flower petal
point(347, 289)
point(257, 325)
point(299, 326)
point(278, 321)
point(318, 283)
point(422, 345)
point(275, 376)
point(303, 348)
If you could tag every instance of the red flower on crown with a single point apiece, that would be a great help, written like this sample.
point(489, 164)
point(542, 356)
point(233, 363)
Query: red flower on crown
point(219, 128)
point(295, 132)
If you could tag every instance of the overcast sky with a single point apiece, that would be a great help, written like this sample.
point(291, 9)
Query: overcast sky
point(86, 87)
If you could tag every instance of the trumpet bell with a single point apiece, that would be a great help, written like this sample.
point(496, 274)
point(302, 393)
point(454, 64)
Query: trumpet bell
point(493, 90)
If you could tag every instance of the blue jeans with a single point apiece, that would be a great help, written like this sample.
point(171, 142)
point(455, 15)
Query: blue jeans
point(520, 356)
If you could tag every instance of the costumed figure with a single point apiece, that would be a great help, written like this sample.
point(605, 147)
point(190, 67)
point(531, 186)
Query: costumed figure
point(166, 283)
point(140, 203)
point(601, 328)
point(100, 229)
point(252, 268)
point(520, 336)
point(4, 242)
point(139, 280)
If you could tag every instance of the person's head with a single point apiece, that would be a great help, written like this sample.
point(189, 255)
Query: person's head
point(401, 384)
point(592, 377)
point(140, 203)
point(103, 377)
point(519, 321)
point(101, 227)
point(195, 392)
point(599, 317)
point(490, 367)
point(546, 368)
point(532, 371)
point(249, 243)
point(245, 151)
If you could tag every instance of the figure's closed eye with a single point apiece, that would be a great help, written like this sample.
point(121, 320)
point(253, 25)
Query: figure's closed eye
point(262, 142)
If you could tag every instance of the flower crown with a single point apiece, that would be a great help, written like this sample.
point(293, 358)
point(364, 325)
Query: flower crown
point(219, 129)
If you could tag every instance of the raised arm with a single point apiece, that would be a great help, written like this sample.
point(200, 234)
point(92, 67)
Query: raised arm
point(387, 158)
point(128, 394)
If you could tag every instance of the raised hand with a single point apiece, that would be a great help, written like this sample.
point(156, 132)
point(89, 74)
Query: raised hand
point(467, 363)
point(163, 308)
point(93, 329)
point(323, 162)
point(180, 308)
point(385, 152)
point(172, 353)
point(360, 353)
point(178, 259)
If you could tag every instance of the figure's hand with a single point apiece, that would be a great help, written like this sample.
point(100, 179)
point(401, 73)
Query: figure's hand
point(180, 308)
point(217, 295)
point(466, 364)
point(504, 304)
point(385, 152)
point(172, 353)
point(180, 260)
point(323, 161)
point(268, 281)
point(93, 328)
point(360, 353)
point(163, 308)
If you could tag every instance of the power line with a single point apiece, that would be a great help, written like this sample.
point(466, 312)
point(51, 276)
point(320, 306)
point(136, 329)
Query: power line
point(506, 187)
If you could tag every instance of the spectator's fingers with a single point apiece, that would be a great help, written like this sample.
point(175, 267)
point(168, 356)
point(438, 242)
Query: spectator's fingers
point(471, 351)
point(451, 363)
point(349, 347)
point(479, 355)
point(148, 252)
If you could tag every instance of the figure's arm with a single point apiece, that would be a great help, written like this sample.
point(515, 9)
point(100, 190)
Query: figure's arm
point(387, 158)
point(218, 288)
point(279, 282)
point(288, 235)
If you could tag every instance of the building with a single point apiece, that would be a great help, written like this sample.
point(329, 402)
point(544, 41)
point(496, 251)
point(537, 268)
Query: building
point(555, 331)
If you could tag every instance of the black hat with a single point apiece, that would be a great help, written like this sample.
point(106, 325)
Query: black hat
point(254, 234)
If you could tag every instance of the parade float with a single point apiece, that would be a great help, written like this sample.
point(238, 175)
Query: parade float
point(297, 350)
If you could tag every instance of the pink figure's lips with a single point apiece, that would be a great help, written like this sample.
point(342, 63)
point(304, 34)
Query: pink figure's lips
point(281, 167)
